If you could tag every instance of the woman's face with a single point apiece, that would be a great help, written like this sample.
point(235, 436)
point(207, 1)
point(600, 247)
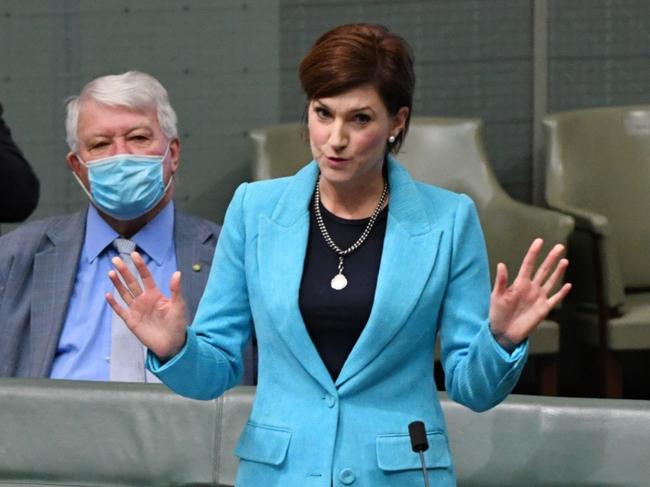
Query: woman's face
point(348, 134)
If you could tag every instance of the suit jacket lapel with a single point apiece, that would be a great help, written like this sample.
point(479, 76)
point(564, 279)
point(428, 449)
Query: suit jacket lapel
point(401, 277)
point(55, 269)
point(191, 238)
point(282, 243)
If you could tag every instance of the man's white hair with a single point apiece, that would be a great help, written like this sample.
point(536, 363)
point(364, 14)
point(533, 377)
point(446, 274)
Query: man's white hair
point(134, 90)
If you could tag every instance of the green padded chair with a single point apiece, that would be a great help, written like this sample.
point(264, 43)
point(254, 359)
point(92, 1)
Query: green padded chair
point(450, 153)
point(598, 171)
point(279, 150)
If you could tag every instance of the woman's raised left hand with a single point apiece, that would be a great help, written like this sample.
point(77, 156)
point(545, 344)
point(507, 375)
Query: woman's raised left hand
point(516, 310)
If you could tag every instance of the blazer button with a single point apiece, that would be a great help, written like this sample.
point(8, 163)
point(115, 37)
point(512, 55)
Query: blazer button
point(330, 401)
point(347, 477)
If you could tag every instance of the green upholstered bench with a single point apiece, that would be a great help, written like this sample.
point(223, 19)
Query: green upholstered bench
point(61, 433)
point(551, 441)
point(69, 433)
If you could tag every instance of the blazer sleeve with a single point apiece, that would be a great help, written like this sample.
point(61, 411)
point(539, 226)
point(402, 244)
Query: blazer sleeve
point(479, 373)
point(212, 359)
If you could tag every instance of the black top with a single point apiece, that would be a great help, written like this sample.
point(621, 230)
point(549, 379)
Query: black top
point(335, 319)
point(19, 186)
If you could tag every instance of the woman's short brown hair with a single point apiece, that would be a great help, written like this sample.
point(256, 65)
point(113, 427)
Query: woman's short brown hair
point(352, 55)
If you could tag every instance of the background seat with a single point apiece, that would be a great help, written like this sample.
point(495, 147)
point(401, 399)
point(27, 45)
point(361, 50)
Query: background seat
point(449, 152)
point(598, 170)
point(107, 434)
point(279, 150)
point(100, 434)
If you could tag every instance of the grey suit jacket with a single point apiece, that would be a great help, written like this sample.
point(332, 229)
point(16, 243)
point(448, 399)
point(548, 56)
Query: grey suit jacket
point(38, 266)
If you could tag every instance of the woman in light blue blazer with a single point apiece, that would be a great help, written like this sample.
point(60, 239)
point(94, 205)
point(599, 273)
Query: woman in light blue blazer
point(348, 271)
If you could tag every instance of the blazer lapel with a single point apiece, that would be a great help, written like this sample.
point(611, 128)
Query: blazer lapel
point(402, 277)
point(55, 269)
point(282, 244)
point(193, 248)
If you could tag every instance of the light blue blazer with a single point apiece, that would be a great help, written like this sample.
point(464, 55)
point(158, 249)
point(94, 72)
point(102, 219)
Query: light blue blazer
point(306, 430)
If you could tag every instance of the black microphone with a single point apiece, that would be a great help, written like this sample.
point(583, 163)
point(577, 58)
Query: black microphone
point(419, 444)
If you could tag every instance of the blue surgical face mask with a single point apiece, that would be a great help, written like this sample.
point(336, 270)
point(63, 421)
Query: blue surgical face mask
point(126, 186)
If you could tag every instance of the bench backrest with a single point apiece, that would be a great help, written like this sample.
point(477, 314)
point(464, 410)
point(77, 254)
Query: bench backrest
point(63, 433)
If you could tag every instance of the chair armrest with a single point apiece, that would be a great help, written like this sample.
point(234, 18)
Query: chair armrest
point(511, 226)
point(553, 226)
point(584, 219)
point(591, 247)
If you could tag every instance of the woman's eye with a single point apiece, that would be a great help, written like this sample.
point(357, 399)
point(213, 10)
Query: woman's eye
point(322, 112)
point(362, 118)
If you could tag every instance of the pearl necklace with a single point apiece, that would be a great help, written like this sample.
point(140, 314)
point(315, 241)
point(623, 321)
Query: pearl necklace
point(339, 281)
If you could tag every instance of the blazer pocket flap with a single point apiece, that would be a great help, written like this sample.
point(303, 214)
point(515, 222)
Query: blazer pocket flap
point(264, 444)
point(394, 452)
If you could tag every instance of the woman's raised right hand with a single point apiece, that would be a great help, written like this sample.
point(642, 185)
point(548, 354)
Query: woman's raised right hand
point(158, 322)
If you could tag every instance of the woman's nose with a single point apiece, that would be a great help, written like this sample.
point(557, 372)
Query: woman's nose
point(338, 136)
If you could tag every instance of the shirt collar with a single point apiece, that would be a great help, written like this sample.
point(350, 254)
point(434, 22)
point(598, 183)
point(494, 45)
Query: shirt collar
point(154, 239)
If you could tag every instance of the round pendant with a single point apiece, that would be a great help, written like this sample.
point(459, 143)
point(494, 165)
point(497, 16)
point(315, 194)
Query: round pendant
point(339, 282)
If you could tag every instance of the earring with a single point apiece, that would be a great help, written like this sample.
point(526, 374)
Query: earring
point(391, 139)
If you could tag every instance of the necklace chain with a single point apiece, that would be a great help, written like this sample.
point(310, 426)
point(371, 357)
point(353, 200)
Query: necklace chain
point(342, 281)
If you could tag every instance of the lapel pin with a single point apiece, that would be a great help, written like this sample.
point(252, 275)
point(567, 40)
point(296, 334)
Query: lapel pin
point(196, 267)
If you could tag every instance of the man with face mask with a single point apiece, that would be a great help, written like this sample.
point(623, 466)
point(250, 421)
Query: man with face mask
point(125, 153)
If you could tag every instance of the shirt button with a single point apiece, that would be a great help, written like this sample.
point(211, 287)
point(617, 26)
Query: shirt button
point(107, 358)
point(347, 477)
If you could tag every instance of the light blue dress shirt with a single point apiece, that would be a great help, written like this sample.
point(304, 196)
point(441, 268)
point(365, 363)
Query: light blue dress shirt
point(84, 348)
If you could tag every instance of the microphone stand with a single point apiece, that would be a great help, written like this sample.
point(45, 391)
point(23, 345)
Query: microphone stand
point(420, 444)
point(424, 470)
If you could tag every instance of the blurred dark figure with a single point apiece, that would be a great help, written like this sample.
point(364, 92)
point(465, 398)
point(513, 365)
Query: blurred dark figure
point(19, 187)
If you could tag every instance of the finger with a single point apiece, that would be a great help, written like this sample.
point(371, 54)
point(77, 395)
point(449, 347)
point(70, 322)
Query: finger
point(554, 300)
point(528, 264)
point(119, 310)
point(549, 264)
point(175, 287)
point(121, 289)
point(501, 279)
point(145, 274)
point(556, 277)
point(127, 276)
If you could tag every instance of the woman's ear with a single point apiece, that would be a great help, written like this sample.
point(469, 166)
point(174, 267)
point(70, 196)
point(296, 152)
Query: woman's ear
point(399, 121)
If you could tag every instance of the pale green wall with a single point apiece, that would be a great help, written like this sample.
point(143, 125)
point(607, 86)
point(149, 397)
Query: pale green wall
point(217, 59)
point(230, 66)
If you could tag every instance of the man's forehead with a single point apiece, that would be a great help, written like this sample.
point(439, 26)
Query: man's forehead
point(94, 117)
